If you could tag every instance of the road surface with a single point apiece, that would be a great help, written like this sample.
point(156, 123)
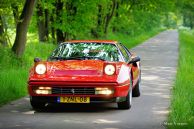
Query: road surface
point(149, 111)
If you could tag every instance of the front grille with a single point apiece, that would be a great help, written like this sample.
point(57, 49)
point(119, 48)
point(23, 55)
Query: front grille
point(73, 91)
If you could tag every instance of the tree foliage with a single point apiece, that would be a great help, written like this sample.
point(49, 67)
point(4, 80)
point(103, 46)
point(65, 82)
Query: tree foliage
point(186, 8)
point(61, 20)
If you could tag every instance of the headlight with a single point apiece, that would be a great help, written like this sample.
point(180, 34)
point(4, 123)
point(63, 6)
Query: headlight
point(40, 69)
point(109, 69)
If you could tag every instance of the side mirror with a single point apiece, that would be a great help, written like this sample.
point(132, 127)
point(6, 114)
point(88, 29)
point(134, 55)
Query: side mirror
point(36, 59)
point(134, 60)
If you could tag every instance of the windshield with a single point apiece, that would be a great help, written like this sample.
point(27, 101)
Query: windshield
point(81, 51)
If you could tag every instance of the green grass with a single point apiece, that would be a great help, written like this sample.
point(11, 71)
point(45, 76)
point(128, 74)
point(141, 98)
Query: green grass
point(182, 101)
point(14, 71)
point(13, 84)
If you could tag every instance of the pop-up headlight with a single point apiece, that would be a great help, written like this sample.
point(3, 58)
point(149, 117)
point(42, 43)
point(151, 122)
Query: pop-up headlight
point(40, 69)
point(109, 69)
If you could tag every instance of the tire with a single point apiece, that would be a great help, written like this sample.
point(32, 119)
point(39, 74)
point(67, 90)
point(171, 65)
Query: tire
point(37, 105)
point(136, 90)
point(127, 103)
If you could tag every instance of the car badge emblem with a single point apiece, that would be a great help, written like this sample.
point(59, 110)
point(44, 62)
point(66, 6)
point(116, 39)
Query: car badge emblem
point(72, 91)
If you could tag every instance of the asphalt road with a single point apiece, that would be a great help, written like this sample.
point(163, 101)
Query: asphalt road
point(149, 111)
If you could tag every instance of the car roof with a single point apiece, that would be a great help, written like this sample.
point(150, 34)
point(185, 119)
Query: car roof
point(92, 41)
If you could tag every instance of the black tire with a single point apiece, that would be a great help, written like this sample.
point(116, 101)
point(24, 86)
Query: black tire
point(136, 90)
point(127, 103)
point(37, 105)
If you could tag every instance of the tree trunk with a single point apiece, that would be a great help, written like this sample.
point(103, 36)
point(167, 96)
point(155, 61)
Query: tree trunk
point(47, 19)
point(52, 20)
point(184, 20)
point(71, 11)
point(114, 29)
point(96, 31)
point(191, 21)
point(41, 22)
point(3, 39)
point(59, 8)
point(167, 20)
point(109, 16)
point(22, 28)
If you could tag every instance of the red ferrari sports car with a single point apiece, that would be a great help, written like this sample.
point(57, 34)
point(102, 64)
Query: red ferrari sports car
point(86, 71)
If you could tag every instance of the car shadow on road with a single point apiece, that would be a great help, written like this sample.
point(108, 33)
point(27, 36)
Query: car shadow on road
point(70, 108)
point(23, 106)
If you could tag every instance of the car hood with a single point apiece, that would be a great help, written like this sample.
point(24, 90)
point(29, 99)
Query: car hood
point(78, 71)
point(76, 68)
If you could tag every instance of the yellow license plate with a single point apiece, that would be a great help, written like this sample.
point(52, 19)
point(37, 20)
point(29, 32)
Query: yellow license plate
point(74, 99)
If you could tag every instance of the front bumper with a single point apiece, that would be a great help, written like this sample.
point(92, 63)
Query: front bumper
point(119, 94)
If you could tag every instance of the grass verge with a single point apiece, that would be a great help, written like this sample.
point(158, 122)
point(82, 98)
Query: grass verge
point(14, 71)
point(182, 101)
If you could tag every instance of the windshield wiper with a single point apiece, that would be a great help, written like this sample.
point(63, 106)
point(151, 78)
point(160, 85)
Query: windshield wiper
point(65, 58)
point(76, 58)
point(94, 57)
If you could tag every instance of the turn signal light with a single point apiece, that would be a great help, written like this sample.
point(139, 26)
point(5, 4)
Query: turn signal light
point(43, 90)
point(103, 91)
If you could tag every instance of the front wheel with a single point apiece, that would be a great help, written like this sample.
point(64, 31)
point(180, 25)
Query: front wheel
point(136, 90)
point(127, 103)
point(37, 105)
